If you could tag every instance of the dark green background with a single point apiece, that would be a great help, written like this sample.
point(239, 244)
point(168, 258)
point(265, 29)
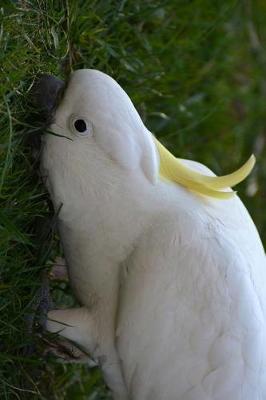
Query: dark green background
point(196, 72)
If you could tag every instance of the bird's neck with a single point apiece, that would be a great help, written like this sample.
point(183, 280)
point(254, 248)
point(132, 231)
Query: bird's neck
point(113, 216)
point(100, 234)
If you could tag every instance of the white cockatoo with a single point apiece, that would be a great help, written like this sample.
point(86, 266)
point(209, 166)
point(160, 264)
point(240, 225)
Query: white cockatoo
point(163, 257)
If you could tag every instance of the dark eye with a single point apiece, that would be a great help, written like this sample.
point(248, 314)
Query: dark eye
point(80, 125)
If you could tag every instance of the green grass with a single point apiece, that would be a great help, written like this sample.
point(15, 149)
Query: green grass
point(196, 72)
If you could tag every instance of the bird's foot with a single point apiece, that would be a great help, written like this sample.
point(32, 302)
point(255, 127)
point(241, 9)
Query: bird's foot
point(66, 351)
point(59, 272)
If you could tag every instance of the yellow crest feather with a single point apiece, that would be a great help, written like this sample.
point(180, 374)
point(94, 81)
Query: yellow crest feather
point(173, 169)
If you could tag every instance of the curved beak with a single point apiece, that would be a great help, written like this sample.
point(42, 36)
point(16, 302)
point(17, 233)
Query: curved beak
point(46, 95)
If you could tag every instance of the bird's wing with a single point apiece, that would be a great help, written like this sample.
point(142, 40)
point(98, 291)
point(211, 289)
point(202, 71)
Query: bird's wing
point(191, 323)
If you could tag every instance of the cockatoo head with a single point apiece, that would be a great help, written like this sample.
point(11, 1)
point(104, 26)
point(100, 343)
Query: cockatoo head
point(97, 138)
point(95, 134)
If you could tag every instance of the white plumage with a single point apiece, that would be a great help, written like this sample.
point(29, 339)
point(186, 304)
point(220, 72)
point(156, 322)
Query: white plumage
point(172, 284)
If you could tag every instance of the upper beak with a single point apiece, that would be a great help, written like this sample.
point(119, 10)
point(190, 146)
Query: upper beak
point(46, 95)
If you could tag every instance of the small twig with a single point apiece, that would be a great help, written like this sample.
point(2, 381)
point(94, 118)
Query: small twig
point(6, 163)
